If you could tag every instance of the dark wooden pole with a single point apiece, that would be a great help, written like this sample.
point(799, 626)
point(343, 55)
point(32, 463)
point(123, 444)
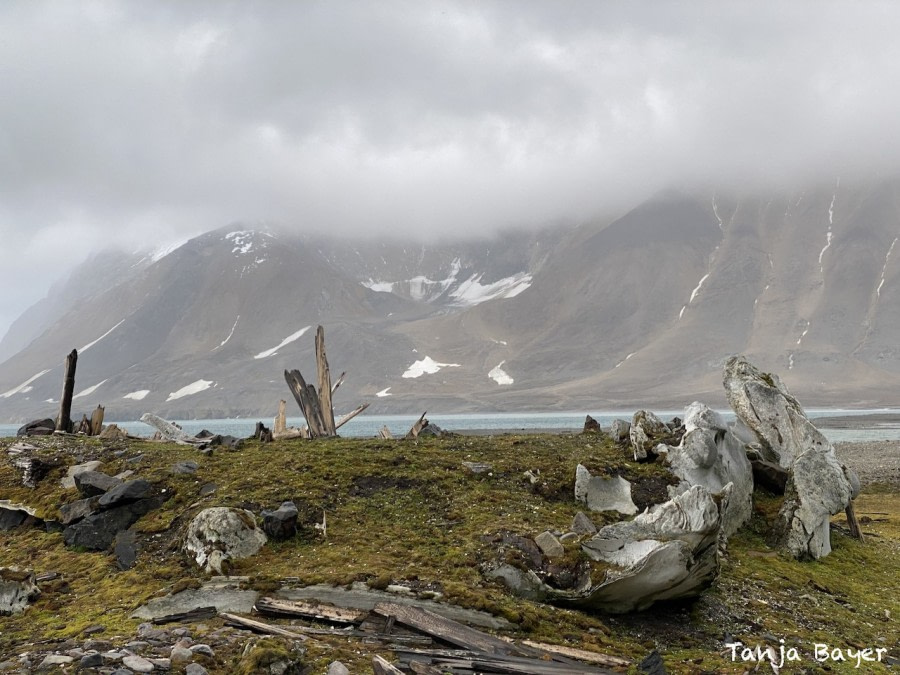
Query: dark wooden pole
point(64, 420)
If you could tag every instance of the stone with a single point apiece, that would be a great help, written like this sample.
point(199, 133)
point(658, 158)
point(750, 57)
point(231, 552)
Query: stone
point(549, 545)
point(124, 493)
point(111, 432)
point(137, 663)
point(223, 599)
point(712, 456)
point(97, 531)
point(581, 524)
point(337, 668)
point(125, 549)
point(229, 442)
point(54, 660)
point(281, 523)
point(17, 590)
point(620, 430)
point(181, 654)
point(647, 431)
point(69, 481)
point(652, 664)
point(431, 429)
point(603, 494)
point(91, 661)
point(43, 427)
point(75, 511)
point(222, 533)
point(204, 649)
point(207, 489)
point(94, 483)
point(818, 486)
point(186, 467)
point(16, 515)
point(195, 669)
point(591, 425)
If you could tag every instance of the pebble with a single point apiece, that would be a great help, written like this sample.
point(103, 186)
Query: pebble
point(54, 660)
point(202, 649)
point(91, 661)
point(138, 664)
point(180, 654)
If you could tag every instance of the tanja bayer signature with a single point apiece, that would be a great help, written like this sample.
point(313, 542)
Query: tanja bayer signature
point(820, 652)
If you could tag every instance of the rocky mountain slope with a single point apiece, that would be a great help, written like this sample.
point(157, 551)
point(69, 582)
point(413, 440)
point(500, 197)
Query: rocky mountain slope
point(641, 310)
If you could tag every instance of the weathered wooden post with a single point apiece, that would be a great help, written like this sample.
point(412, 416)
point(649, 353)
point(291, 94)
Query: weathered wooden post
point(324, 384)
point(64, 419)
point(97, 420)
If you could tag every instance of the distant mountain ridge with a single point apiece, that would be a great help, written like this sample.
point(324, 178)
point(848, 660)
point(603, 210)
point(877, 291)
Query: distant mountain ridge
point(639, 311)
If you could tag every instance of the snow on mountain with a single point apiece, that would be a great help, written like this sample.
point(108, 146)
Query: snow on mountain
point(289, 339)
point(500, 376)
point(191, 389)
point(25, 386)
point(426, 366)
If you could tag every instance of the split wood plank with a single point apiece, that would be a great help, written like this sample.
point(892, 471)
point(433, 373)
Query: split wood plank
point(279, 426)
point(852, 522)
point(169, 431)
point(309, 404)
point(350, 415)
point(580, 654)
point(198, 614)
point(339, 382)
point(381, 666)
point(385, 433)
point(260, 627)
point(64, 419)
point(495, 663)
point(324, 374)
point(417, 427)
point(97, 421)
point(309, 610)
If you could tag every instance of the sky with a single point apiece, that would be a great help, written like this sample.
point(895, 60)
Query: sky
point(136, 124)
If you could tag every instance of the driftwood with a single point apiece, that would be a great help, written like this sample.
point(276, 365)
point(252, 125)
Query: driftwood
point(64, 419)
point(852, 522)
point(350, 415)
point(260, 627)
point(384, 432)
point(170, 431)
point(339, 382)
point(308, 610)
point(305, 395)
point(280, 424)
point(325, 406)
point(97, 420)
point(580, 654)
point(381, 666)
point(262, 433)
point(198, 614)
point(417, 427)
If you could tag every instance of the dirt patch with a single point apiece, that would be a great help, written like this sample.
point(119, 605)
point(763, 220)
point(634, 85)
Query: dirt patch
point(366, 486)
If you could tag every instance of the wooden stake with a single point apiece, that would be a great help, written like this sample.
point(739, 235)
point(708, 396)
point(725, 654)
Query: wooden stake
point(324, 373)
point(97, 421)
point(853, 522)
point(280, 424)
point(64, 420)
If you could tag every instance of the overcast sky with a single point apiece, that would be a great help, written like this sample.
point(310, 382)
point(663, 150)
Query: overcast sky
point(137, 123)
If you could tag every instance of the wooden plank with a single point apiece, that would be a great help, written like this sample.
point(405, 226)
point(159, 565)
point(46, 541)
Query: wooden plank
point(97, 420)
point(339, 382)
point(380, 666)
point(324, 373)
point(445, 629)
point(260, 627)
point(417, 427)
point(581, 654)
point(496, 663)
point(64, 419)
point(198, 614)
point(308, 404)
point(279, 426)
point(350, 415)
point(309, 610)
point(852, 522)
point(385, 433)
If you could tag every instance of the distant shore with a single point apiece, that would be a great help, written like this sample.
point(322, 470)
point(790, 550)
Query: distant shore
point(865, 421)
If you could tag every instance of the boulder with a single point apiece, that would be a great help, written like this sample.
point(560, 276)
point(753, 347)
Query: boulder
point(94, 483)
point(221, 533)
point(549, 545)
point(16, 515)
point(818, 486)
point(34, 469)
point(281, 523)
point(581, 524)
point(43, 427)
point(186, 467)
point(125, 549)
point(97, 531)
point(75, 511)
point(69, 481)
point(711, 456)
point(591, 425)
point(17, 590)
point(124, 493)
point(647, 431)
point(620, 431)
point(111, 432)
point(600, 493)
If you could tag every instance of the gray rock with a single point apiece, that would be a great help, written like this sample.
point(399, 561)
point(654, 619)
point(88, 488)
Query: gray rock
point(549, 545)
point(91, 661)
point(181, 654)
point(17, 590)
point(123, 493)
point(185, 467)
point(853, 479)
point(620, 431)
point(337, 668)
point(647, 430)
point(42, 427)
point(581, 524)
point(195, 669)
point(15, 515)
point(222, 533)
point(69, 481)
point(34, 469)
point(75, 511)
point(125, 549)
point(207, 489)
point(94, 483)
point(138, 664)
point(281, 523)
point(54, 660)
point(161, 664)
point(223, 599)
point(206, 650)
point(97, 531)
point(712, 456)
point(603, 494)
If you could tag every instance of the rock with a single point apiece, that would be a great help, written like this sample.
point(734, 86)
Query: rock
point(181, 654)
point(97, 531)
point(16, 515)
point(603, 494)
point(818, 487)
point(124, 493)
point(647, 431)
point(69, 481)
point(113, 433)
point(773, 477)
point(90, 661)
point(853, 479)
point(94, 483)
point(281, 523)
point(207, 489)
point(17, 590)
point(581, 524)
point(206, 650)
point(525, 584)
point(712, 456)
point(75, 511)
point(652, 665)
point(223, 599)
point(43, 427)
point(337, 668)
point(229, 442)
point(620, 431)
point(549, 545)
point(591, 425)
point(195, 669)
point(125, 549)
point(138, 664)
point(186, 467)
point(54, 660)
point(222, 533)
point(431, 429)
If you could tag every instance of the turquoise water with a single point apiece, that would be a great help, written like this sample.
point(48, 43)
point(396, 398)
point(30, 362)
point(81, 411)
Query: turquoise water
point(366, 426)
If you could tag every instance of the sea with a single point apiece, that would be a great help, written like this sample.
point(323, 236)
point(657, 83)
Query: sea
point(368, 426)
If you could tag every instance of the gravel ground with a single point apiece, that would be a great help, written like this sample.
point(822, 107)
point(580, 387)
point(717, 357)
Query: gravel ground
point(873, 461)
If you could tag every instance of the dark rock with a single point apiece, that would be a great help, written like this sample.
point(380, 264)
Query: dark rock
point(769, 475)
point(43, 427)
point(207, 489)
point(581, 524)
point(653, 665)
point(197, 669)
point(185, 467)
point(129, 491)
point(12, 517)
point(281, 523)
point(592, 425)
point(431, 429)
point(204, 433)
point(227, 442)
point(93, 630)
point(91, 661)
point(53, 526)
point(97, 531)
point(125, 549)
point(75, 511)
point(94, 483)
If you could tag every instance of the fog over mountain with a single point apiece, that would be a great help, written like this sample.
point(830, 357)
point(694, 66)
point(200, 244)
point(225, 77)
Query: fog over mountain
point(143, 124)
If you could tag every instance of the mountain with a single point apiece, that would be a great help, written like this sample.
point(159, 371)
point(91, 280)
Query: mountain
point(642, 309)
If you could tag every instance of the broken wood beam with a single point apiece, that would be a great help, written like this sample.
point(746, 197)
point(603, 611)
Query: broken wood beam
point(852, 522)
point(385, 433)
point(97, 420)
point(64, 419)
point(417, 427)
point(198, 614)
point(307, 400)
point(279, 426)
point(339, 382)
point(580, 654)
point(350, 415)
point(324, 373)
point(170, 431)
point(381, 666)
point(260, 627)
point(309, 610)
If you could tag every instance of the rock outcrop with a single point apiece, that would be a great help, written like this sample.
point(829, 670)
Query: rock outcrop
point(221, 533)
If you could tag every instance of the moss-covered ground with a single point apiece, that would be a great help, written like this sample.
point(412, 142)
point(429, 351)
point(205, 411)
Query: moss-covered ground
point(410, 512)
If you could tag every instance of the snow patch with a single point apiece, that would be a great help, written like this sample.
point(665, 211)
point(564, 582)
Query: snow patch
point(884, 268)
point(91, 344)
point(223, 342)
point(716, 212)
point(88, 391)
point(24, 387)
point(473, 292)
point(384, 392)
point(791, 361)
point(138, 395)
point(699, 286)
point(192, 388)
point(630, 355)
point(242, 241)
point(498, 375)
point(160, 253)
point(803, 334)
point(290, 338)
point(379, 286)
point(426, 366)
